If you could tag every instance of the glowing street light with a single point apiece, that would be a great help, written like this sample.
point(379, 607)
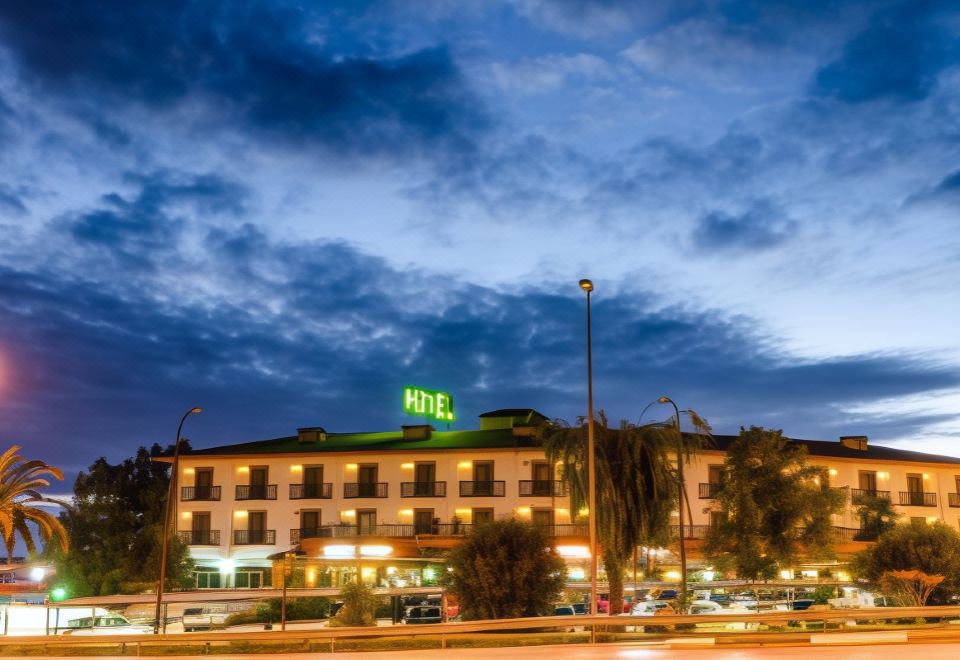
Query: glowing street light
point(587, 286)
point(167, 511)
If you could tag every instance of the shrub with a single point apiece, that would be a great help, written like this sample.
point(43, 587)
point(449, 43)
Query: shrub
point(359, 606)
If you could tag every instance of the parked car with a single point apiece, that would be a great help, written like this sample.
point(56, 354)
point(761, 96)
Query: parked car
point(563, 609)
point(662, 594)
point(112, 624)
point(649, 607)
point(423, 614)
point(580, 608)
point(203, 618)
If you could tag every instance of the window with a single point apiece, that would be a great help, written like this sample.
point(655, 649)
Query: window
point(542, 482)
point(425, 479)
point(542, 517)
point(366, 522)
point(258, 483)
point(309, 523)
point(423, 521)
point(312, 480)
point(203, 480)
point(868, 481)
point(481, 516)
point(250, 579)
point(367, 480)
point(483, 477)
point(715, 474)
point(207, 578)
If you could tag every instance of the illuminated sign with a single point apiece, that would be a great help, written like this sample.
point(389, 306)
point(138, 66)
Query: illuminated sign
point(428, 403)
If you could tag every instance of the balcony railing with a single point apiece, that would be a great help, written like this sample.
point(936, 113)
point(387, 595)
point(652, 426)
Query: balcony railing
point(858, 495)
point(452, 529)
point(254, 536)
point(351, 531)
point(423, 489)
point(483, 488)
point(200, 536)
point(257, 492)
point(709, 491)
point(200, 493)
point(354, 489)
point(848, 534)
point(690, 531)
point(322, 491)
point(543, 488)
point(954, 499)
point(565, 529)
point(917, 498)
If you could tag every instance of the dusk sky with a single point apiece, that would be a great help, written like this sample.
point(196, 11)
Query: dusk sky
point(285, 212)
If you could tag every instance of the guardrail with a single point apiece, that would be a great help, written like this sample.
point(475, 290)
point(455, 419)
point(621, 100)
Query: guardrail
point(673, 625)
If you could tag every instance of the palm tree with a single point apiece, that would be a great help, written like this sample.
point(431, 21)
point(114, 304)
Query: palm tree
point(20, 482)
point(636, 485)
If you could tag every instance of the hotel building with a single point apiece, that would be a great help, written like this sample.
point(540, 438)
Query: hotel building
point(390, 504)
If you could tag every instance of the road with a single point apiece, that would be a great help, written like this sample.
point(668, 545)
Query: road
point(630, 652)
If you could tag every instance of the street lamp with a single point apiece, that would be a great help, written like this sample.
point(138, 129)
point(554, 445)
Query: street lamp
point(171, 494)
point(683, 549)
point(587, 286)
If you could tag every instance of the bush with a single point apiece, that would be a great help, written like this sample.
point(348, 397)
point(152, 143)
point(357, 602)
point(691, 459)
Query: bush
point(298, 609)
point(359, 606)
point(506, 569)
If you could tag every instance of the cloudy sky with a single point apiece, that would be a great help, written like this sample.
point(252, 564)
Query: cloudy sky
point(285, 212)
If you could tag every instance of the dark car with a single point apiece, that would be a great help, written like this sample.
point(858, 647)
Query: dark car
point(803, 603)
point(664, 594)
point(720, 598)
point(423, 614)
point(580, 608)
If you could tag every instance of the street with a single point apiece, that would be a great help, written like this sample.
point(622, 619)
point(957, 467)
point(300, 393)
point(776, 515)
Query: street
point(629, 652)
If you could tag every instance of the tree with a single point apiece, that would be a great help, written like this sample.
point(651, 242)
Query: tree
point(775, 504)
point(20, 484)
point(933, 549)
point(877, 516)
point(114, 528)
point(636, 485)
point(505, 569)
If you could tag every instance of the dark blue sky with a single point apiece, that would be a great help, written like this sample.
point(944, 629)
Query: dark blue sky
point(284, 213)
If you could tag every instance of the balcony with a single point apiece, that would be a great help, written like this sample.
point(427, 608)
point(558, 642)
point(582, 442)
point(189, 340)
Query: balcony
point(690, 531)
point(858, 495)
point(311, 491)
point(254, 536)
point(256, 492)
point(353, 490)
point(483, 488)
point(200, 536)
point(849, 534)
point(709, 491)
point(543, 488)
point(565, 529)
point(917, 498)
point(200, 493)
point(350, 531)
point(423, 489)
point(954, 499)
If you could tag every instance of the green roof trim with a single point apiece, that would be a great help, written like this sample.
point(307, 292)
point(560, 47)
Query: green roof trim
point(384, 441)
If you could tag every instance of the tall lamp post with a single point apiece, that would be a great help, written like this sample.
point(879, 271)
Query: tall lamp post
point(683, 549)
point(171, 494)
point(587, 286)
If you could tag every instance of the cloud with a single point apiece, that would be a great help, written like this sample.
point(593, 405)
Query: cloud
point(761, 227)
point(898, 57)
point(549, 73)
point(144, 229)
point(10, 202)
point(268, 334)
point(261, 69)
point(589, 19)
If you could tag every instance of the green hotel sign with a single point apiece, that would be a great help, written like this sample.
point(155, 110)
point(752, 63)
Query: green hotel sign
point(428, 403)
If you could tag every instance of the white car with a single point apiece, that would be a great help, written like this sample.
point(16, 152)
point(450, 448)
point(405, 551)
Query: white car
point(111, 624)
point(203, 618)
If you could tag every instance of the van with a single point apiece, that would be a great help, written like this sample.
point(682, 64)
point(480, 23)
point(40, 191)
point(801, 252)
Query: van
point(423, 614)
point(203, 618)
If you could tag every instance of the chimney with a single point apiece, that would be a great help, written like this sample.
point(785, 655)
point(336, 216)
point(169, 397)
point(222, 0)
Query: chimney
point(311, 434)
point(858, 442)
point(417, 432)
